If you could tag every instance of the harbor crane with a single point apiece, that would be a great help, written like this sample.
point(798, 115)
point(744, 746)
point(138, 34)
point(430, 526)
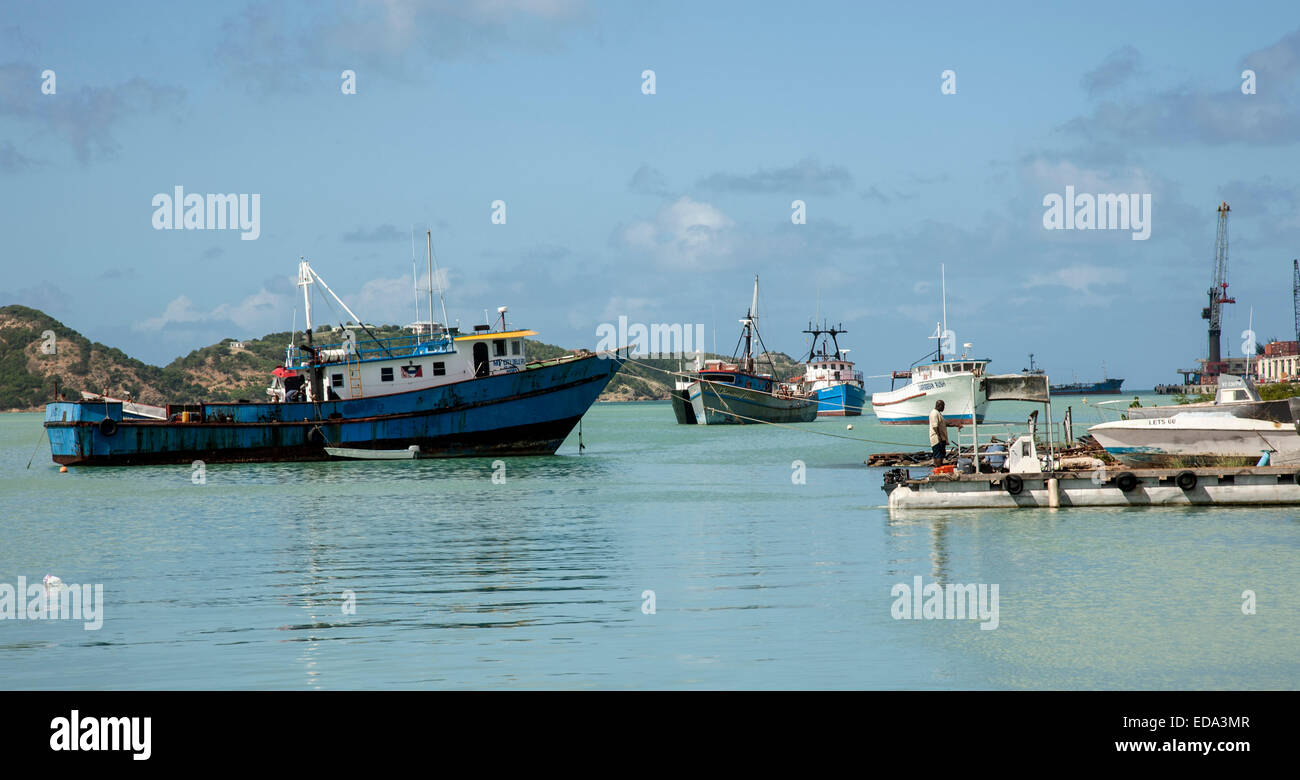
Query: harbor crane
point(1295, 295)
point(1218, 293)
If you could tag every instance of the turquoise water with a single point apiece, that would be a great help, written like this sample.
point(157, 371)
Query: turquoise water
point(538, 582)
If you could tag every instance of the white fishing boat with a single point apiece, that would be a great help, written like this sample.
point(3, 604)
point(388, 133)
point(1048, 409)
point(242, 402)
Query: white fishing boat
point(955, 381)
point(1200, 439)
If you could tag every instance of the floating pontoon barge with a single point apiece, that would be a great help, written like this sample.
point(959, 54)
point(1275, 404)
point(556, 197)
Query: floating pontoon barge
point(1112, 486)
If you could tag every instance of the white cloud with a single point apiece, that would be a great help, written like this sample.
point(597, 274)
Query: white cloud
point(256, 314)
point(684, 235)
point(1084, 280)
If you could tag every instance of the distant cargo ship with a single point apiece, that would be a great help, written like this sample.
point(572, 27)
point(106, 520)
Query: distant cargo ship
point(1104, 387)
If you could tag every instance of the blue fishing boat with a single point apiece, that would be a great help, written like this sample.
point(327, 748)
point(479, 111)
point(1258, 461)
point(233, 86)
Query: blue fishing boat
point(442, 392)
point(831, 377)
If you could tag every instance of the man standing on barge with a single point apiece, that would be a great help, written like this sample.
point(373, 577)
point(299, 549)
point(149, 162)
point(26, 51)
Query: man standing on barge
point(938, 434)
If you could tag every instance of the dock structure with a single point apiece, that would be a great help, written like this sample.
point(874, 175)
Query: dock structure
point(1109, 487)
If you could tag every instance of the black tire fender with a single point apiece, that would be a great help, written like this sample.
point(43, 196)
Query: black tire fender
point(108, 426)
point(1186, 480)
point(1013, 483)
point(1126, 481)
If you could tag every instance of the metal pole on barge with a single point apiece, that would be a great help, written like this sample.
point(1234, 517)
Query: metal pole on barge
point(975, 428)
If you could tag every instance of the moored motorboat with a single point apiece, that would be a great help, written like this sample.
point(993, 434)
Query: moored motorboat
point(1234, 395)
point(1199, 439)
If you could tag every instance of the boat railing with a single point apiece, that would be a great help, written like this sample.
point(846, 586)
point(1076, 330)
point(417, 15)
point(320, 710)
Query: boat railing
point(371, 349)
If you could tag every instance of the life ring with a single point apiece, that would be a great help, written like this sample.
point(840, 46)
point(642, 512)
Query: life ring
point(1126, 481)
point(1013, 483)
point(108, 426)
point(1186, 480)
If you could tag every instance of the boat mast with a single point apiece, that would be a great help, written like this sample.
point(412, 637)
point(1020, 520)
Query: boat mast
point(304, 280)
point(750, 318)
point(433, 272)
point(313, 375)
point(415, 281)
point(428, 245)
point(816, 334)
point(943, 287)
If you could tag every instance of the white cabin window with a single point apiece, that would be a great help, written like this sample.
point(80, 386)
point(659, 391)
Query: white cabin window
point(499, 346)
point(514, 347)
point(336, 380)
point(386, 374)
point(439, 369)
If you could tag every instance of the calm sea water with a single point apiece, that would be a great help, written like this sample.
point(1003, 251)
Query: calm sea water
point(540, 581)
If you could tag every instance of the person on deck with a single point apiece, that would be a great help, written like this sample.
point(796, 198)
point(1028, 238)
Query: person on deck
point(938, 434)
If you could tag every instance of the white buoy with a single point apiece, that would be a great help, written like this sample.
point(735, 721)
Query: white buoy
point(849, 426)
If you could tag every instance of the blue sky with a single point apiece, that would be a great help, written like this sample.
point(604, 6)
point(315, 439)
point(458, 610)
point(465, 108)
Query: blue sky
point(660, 207)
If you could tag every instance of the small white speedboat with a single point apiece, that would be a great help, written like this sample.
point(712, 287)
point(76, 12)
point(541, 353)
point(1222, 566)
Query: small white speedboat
point(354, 453)
point(1199, 439)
